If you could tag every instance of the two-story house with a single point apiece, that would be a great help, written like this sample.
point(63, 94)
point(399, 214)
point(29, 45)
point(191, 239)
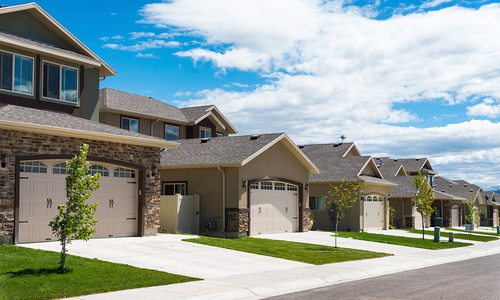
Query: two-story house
point(49, 95)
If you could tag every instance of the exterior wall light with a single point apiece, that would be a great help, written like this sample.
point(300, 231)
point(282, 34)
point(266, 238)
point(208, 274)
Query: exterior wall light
point(3, 161)
point(245, 182)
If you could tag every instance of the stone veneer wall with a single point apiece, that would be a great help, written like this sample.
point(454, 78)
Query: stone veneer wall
point(305, 219)
point(237, 220)
point(15, 143)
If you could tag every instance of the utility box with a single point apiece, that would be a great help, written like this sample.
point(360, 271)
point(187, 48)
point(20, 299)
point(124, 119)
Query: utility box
point(451, 237)
point(180, 214)
point(437, 234)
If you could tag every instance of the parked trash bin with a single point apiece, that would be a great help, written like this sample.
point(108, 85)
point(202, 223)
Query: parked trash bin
point(451, 237)
point(438, 222)
point(498, 229)
point(437, 234)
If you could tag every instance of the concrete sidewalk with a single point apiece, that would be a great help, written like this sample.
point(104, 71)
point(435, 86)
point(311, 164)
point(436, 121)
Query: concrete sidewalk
point(292, 279)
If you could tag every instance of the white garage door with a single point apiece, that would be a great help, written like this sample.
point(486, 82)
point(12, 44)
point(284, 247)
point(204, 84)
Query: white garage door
point(42, 190)
point(273, 208)
point(374, 212)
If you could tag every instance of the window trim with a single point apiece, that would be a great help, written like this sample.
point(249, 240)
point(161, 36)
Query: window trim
point(174, 182)
point(14, 54)
point(315, 198)
point(165, 131)
point(202, 128)
point(77, 103)
point(131, 118)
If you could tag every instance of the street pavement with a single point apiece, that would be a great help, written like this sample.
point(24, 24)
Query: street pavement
point(477, 278)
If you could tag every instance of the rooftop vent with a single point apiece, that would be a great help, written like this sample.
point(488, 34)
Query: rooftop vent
point(253, 137)
point(301, 146)
point(417, 159)
point(205, 140)
point(336, 145)
point(395, 160)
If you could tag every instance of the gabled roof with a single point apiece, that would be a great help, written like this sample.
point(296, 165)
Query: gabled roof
point(112, 100)
point(459, 188)
point(389, 167)
point(334, 166)
point(122, 102)
point(41, 14)
point(411, 165)
point(406, 189)
point(31, 120)
point(196, 114)
point(490, 198)
point(228, 151)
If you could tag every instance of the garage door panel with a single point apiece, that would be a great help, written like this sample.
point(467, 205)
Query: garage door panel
point(374, 215)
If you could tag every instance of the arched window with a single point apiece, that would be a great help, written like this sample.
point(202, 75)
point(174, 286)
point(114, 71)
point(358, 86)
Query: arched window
point(32, 167)
point(94, 169)
point(369, 198)
point(124, 173)
point(59, 168)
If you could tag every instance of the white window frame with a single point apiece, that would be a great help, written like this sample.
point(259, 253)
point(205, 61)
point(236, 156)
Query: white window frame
point(77, 103)
point(130, 118)
point(14, 54)
point(202, 128)
point(174, 184)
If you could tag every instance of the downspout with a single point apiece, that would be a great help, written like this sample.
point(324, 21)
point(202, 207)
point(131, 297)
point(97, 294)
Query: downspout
point(223, 198)
point(151, 126)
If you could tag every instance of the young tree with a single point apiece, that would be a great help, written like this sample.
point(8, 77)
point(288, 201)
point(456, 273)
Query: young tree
point(423, 199)
point(472, 213)
point(75, 220)
point(342, 197)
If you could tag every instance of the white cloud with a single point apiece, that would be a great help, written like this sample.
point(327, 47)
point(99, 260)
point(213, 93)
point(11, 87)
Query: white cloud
point(488, 108)
point(143, 45)
point(146, 55)
point(434, 3)
point(140, 34)
point(107, 38)
point(331, 71)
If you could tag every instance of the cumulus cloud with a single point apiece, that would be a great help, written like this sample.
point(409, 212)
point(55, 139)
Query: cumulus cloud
point(143, 45)
point(488, 108)
point(146, 55)
point(331, 70)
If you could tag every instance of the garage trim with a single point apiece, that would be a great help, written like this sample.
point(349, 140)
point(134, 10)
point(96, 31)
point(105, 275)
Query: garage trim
point(141, 182)
point(301, 197)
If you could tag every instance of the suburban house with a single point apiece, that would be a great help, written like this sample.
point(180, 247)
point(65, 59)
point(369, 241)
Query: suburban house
point(403, 172)
point(149, 116)
point(338, 162)
point(462, 189)
point(247, 185)
point(49, 94)
point(489, 210)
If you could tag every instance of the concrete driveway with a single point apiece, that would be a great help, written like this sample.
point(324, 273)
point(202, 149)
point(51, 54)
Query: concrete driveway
point(168, 253)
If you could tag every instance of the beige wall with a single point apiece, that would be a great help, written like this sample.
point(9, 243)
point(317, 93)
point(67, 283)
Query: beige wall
point(114, 119)
point(275, 162)
point(353, 220)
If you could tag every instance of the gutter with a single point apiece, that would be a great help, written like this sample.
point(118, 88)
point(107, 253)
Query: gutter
point(223, 198)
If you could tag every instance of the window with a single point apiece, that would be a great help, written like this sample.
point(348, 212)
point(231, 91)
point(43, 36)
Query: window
point(124, 173)
point(33, 167)
point(219, 134)
point(94, 169)
point(172, 132)
point(172, 188)
point(59, 168)
point(130, 124)
point(254, 186)
point(16, 73)
point(60, 82)
point(279, 186)
point(266, 185)
point(291, 187)
point(430, 180)
point(205, 132)
point(317, 202)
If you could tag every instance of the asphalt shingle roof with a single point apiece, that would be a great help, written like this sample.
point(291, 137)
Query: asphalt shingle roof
point(123, 101)
point(410, 164)
point(193, 113)
point(388, 167)
point(459, 188)
point(26, 115)
point(332, 165)
point(218, 150)
point(406, 189)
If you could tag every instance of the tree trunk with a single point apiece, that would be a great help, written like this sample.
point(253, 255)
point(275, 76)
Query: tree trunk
point(62, 263)
point(336, 227)
point(423, 227)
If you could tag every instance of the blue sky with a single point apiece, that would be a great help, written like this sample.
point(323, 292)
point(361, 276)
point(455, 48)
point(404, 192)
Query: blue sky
point(399, 78)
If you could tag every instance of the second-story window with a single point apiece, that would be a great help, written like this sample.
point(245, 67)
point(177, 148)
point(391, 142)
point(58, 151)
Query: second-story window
point(205, 132)
point(172, 132)
point(219, 134)
point(16, 73)
point(130, 124)
point(60, 82)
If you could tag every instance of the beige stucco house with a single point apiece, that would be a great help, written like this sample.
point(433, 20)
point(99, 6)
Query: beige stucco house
point(247, 185)
point(344, 161)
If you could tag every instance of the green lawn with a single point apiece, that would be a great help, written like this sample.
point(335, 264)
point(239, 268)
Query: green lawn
point(32, 274)
point(400, 240)
point(462, 236)
point(302, 252)
point(474, 232)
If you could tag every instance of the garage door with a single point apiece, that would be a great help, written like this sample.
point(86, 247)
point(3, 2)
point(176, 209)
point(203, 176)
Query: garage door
point(42, 190)
point(374, 212)
point(273, 207)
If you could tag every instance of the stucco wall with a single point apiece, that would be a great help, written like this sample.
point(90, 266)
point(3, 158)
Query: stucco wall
point(13, 144)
